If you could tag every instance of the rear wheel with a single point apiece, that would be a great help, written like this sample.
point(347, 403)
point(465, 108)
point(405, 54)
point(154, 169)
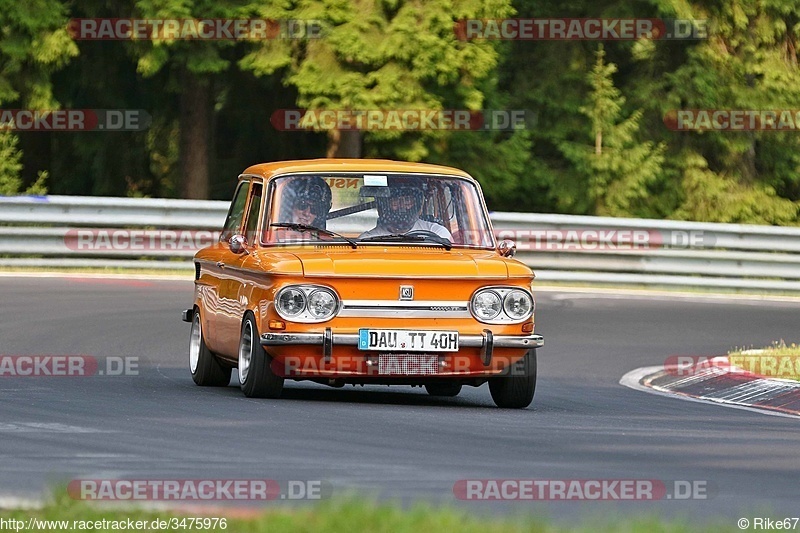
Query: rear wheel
point(515, 390)
point(255, 371)
point(449, 389)
point(206, 369)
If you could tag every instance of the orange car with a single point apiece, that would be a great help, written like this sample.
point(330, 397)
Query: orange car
point(362, 272)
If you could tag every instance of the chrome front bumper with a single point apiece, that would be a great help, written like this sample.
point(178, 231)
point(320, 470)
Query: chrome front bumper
point(487, 341)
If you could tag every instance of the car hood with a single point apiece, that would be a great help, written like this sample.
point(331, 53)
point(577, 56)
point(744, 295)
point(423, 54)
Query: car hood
point(408, 262)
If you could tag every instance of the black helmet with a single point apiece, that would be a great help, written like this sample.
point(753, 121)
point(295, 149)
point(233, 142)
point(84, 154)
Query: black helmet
point(399, 215)
point(307, 192)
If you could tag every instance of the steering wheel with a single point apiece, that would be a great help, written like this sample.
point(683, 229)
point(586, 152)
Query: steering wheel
point(425, 233)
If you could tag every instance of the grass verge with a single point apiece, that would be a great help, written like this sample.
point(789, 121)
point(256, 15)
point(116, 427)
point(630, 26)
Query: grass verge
point(346, 515)
point(779, 360)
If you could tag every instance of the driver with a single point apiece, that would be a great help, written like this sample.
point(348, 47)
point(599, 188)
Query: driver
point(400, 211)
point(306, 201)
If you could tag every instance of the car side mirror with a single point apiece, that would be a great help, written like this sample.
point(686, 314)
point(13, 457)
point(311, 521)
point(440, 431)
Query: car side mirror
point(507, 248)
point(238, 244)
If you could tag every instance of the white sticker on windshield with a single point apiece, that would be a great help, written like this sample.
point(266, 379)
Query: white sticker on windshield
point(375, 181)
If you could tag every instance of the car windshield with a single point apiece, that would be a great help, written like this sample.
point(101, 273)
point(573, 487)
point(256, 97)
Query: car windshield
point(376, 208)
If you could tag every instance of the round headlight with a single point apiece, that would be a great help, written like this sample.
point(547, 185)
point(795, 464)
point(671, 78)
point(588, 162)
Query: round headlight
point(291, 302)
point(517, 305)
point(486, 305)
point(321, 304)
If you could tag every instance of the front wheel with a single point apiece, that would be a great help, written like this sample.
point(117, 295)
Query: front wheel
point(206, 369)
point(255, 371)
point(515, 390)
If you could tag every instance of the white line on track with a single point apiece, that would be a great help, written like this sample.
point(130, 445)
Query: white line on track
point(43, 427)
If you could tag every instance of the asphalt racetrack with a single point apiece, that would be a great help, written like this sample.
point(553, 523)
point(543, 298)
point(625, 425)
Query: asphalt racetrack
point(396, 443)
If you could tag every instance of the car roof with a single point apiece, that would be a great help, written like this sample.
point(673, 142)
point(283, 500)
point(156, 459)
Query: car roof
point(277, 168)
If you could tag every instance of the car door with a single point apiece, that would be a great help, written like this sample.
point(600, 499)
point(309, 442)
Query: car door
point(214, 269)
point(233, 274)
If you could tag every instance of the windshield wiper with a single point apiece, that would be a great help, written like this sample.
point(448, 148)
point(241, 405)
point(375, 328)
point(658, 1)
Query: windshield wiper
point(393, 237)
point(309, 228)
point(413, 236)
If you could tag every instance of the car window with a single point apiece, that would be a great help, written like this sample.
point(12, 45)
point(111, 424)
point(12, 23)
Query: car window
point(252, 215)
point(236, 212)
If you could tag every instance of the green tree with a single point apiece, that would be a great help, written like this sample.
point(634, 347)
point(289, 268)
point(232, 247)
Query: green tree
point(749, 61)
point(500, 160)
point(549, 78)
point(374, 54)
point(104, 76)
point(618, 168)
point(108, 74)
point(33, 45)
point(193, 68)
point(711, 196)
point(10, 164)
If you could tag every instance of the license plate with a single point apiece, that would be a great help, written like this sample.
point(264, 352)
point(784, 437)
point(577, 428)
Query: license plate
point(407, 340)
point(394, 364)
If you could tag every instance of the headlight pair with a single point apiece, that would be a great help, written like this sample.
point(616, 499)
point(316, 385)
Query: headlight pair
point(306, 303)
point(498, 305)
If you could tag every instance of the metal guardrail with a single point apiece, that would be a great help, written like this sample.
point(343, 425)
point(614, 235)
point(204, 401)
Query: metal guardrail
point(726, 256)
point(92, 211)
point(560, 248)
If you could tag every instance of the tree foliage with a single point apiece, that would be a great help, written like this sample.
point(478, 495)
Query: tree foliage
point(379, 54)
point(600, 144)
point(617, 168)
point(33, 45)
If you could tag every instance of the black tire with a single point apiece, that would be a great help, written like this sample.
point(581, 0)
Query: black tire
point(206, 369)
point(449, 389)
point(255, 375)
point(515, 390)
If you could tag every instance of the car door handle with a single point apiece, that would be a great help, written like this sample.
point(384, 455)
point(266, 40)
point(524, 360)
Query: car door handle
point(220, 264)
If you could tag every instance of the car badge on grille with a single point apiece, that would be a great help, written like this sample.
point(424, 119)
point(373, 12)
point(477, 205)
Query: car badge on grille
point(406, 292)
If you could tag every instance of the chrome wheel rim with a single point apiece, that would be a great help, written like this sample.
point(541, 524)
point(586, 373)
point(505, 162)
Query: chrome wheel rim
point(245, 352)
point(194, 343)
